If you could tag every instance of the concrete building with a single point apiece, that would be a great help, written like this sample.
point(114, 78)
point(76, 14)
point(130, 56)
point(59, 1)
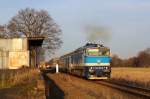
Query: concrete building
point(18, 52)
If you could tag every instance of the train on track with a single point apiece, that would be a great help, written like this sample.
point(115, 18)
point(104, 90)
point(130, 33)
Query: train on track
point(91, 61)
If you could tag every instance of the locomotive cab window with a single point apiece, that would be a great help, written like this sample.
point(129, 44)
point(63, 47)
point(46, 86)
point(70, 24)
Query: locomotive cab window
point(92, 52)
point(105, 53)
point(97, 52)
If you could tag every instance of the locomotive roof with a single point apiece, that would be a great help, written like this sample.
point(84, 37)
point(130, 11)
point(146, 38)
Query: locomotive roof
point(92, 45)
point(88, 45)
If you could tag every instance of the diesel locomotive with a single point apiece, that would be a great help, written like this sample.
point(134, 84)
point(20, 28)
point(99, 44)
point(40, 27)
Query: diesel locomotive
point(91, 61)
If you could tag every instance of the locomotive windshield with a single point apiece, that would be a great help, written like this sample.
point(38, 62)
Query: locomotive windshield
point(97, 52)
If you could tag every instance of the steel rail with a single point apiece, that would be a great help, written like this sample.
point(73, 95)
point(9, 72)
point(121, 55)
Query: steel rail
point(127, 88)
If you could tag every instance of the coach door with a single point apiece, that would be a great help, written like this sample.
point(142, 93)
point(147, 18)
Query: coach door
point(67, 62)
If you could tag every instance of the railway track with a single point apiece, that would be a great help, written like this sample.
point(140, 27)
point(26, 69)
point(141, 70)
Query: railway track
point(139, 91)
point(142, 92)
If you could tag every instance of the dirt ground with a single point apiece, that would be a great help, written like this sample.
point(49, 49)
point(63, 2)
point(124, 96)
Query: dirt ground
point(63, 86)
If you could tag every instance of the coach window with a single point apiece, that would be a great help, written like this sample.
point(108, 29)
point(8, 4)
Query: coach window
point(71, 59)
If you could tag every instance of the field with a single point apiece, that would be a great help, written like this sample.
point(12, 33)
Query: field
point(132, 76)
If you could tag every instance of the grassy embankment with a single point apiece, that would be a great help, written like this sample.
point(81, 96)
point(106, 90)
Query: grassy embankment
point(24, 80)
point(132, 76)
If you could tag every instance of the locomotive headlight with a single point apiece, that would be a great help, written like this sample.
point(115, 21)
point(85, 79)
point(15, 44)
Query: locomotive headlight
point(90, 68)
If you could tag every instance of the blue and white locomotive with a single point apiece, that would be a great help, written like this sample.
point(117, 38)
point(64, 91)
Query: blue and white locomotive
point(91, 61)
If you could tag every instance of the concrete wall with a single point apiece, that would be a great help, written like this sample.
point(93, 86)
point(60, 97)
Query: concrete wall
point(15, 44)
point(14, 53)
point(4, 59)
point(18, 59)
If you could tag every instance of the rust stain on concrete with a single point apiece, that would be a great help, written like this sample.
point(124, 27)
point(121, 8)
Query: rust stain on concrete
point(18, 58)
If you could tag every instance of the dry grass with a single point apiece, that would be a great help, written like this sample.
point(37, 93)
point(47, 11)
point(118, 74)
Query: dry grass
point(10, 78)
point(21, 84)
point(132, 76)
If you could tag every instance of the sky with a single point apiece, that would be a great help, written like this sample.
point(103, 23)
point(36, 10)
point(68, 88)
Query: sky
point(128, 21)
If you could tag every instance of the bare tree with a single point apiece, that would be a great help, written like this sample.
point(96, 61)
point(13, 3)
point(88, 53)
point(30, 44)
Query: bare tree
point(2, 28)
point(116, 61)
point(144, 57)
point(32, 23)
point(3, 31)
point(141, 60)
